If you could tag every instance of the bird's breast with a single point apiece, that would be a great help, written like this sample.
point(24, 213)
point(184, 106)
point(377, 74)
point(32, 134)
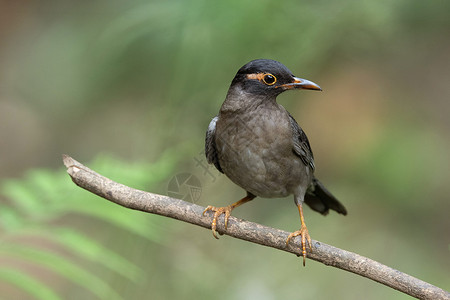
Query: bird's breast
point(255, 151)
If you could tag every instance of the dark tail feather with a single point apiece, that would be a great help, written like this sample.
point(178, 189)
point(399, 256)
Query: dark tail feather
point(321, 200)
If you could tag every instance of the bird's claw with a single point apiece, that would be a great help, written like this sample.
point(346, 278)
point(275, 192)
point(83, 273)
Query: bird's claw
point(217, 212)
point(305, 237)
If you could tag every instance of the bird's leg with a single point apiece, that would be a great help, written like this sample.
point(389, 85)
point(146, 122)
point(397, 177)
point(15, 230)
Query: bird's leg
point(303, 232)
point(225, 210)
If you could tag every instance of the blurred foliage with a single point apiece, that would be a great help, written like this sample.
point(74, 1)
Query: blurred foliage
point(134, 78)
point(43, 200)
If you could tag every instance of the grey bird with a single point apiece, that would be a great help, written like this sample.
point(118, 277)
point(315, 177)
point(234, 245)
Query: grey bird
point(257, 144)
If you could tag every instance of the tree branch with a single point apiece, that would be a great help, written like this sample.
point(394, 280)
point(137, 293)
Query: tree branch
point(248, 231)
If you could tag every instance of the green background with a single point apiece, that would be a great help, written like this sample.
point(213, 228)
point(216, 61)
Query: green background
point(129, 88)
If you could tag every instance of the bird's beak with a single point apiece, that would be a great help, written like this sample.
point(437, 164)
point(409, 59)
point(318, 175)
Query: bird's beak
point(300, 83)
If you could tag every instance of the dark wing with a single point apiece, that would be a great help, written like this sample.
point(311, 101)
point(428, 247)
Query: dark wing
point(321, 200)
point(317, 197)
point(210, 145)
point(301, 144)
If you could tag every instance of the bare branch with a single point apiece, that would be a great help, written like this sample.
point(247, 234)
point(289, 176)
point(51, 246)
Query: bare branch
point(248, 231)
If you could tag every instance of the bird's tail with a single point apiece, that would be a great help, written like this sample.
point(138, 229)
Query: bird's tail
point(321, 200)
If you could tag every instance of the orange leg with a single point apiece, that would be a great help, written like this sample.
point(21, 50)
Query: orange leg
point(225, 210)
point(303, 232)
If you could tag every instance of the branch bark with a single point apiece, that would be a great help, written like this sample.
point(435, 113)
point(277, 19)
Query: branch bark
point(248, 231)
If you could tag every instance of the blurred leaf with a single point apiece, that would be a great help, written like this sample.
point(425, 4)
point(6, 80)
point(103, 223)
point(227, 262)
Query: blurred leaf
point(89, 249)
point(23, 196)
point(27, 283)
point(62, 266)
point(9, 219)
point(133, 221)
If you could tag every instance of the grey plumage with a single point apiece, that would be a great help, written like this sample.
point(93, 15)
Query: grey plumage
point(256, 143)
point(317, 197)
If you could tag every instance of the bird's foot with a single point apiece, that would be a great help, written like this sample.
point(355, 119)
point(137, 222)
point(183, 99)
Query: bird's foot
point(217, 212)
point(305, 237)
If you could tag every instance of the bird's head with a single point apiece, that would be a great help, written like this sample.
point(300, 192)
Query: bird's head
point(266, 77)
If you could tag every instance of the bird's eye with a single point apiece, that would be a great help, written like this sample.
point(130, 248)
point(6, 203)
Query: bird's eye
point(269, 79)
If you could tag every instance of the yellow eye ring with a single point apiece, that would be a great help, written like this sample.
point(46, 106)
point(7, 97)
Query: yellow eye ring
point(269, 79)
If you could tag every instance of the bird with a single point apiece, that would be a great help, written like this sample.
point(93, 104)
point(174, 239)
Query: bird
point(260, 147)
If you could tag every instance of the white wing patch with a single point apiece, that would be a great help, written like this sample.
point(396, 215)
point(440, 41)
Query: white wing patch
point(212, 124)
